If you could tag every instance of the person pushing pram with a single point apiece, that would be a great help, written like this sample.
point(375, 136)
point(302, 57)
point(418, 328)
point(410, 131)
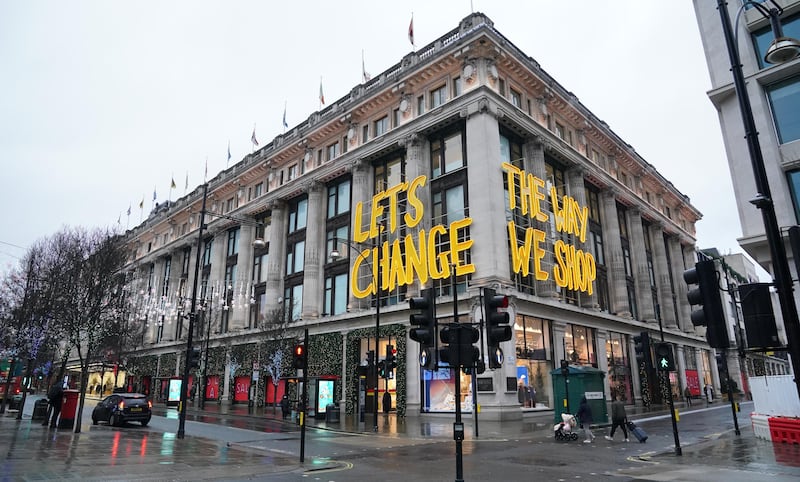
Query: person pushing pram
point(565, 430)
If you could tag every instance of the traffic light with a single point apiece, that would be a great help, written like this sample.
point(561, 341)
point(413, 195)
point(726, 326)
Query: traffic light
point(711, 314)
point(425, 325)
point(391, 358)
point(665, 362)
point(565, 368)
point(497, 329)
point(460, 350)
point(194, 358)
point(382, 369)
point(758, 316)
point(300, 357)
point(641, 345)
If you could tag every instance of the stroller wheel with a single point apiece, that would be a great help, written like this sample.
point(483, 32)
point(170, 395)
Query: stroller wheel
point(573, 436)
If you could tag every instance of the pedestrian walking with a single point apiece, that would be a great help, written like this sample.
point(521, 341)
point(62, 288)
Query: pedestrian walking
point(585, 419)
point(55, 397)
point(619, 418)
point(709, 394)
point(285, 407)
point(688, 394)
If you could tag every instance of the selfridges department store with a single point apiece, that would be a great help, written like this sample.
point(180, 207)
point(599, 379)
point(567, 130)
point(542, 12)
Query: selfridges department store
point(465, 164)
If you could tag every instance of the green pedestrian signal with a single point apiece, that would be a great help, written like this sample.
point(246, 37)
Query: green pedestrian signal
point(665, 361)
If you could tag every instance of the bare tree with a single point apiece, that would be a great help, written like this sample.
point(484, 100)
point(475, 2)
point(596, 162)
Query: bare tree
point(277, 327)
point(87, 294)
point(26, 311)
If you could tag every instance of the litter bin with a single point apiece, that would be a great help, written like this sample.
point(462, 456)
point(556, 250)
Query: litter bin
point(332, 413)
point(39, 409)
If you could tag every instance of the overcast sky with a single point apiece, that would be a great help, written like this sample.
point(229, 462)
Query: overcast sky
point(104, 101)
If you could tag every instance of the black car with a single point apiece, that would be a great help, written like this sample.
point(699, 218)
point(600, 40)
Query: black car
point(119, 408)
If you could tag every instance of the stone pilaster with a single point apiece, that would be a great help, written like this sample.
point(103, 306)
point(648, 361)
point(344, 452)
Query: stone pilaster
point(644, 292)
point(661, 268)
point(617, 285)
point(315, 253)
point(533, 150)
point(277, 253)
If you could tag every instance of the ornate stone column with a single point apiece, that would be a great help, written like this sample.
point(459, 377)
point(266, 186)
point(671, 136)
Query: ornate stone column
point(601, 336)
point(644, 292)
point(661, 268)
point(577, 189)
point(314, 252)
point(684, 321)
point(614, 260)
point(533, 150)
point(277, 253)
point(361, 192)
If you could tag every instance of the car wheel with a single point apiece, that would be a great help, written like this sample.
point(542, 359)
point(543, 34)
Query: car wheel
point(118, 420)
point(145, 422)
point(94, 420)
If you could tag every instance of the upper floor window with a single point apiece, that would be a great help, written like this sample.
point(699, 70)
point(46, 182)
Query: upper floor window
point(516, 98)
point(233, 241)
point(230, 205)
point(389, 173)
point(560, 131)
point(457, 86)
point(784, 98)
point(207, 250)
point(794, 187)
point(420, 105)
point(381, 126)
point(258, 189)
point(298, 215)
point(333, 151)
point(339, 198)
point(293, 170)
point(447, 153)
point(438, 96)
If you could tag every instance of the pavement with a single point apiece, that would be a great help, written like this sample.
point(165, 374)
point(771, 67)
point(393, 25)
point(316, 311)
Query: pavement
point(236, 442)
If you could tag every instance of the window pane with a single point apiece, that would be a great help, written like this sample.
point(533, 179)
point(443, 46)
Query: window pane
point(302, 211)
point(455, 204)
point(785, 99)
point(343, 201)
point(299, 256)
point(340, 290)
point(794, 187)
point(453, 157)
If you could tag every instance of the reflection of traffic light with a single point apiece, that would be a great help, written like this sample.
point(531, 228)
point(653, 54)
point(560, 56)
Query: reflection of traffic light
point(711, 313)
point(424, 323)
point(300, 357)
point(194, 358)
point(497, 329)
point(665, 362)
point(641, 345)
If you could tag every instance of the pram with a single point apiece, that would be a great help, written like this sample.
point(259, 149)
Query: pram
point(564, 431)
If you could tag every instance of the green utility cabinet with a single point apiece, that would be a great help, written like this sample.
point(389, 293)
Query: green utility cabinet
point(582, 380)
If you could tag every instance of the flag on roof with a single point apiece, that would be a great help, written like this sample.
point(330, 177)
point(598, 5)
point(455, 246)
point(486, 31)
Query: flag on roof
point(411, 31)
point(252, 138)
point(364, 74)
point(285, 125)
point(321, 95)
point(172, 184)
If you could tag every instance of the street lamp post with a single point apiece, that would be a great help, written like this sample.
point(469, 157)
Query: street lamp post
point(781, 50)
point(335, 255)
point(193, 314)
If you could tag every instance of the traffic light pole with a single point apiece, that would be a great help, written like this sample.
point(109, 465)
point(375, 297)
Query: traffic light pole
point(304, 398)
point(192, 316)
point(726, 372)
point(664, 375)
point(458, 426)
